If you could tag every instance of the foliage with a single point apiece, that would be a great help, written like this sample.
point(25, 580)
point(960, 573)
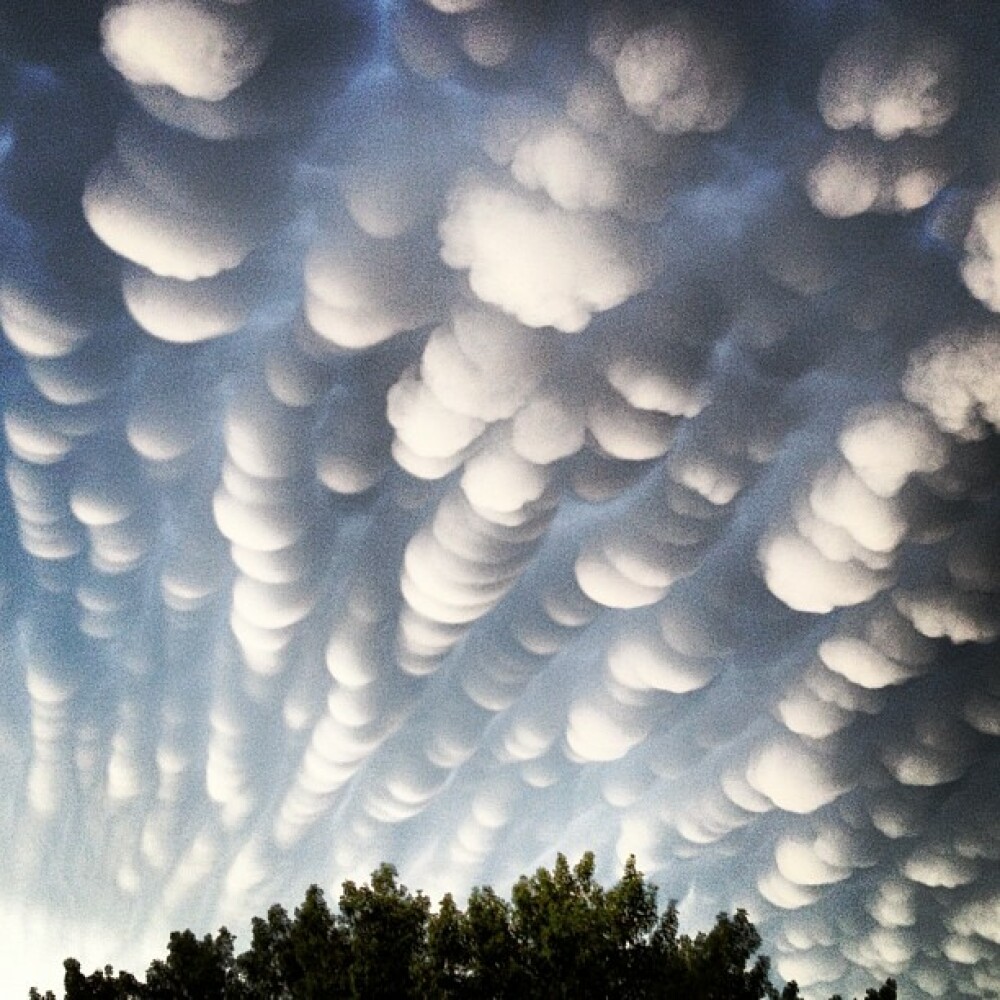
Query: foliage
point(562, 935)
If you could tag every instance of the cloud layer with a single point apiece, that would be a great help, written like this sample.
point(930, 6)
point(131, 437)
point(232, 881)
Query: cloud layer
point(490, 428)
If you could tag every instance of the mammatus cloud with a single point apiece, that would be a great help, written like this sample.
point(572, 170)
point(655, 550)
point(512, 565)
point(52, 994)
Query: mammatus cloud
point(892, 78)
point(199, 51)
point(453, 432)
point(680, 74)
point(545, 266)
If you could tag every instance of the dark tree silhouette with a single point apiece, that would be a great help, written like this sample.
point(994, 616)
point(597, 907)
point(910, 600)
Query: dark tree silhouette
point(194, 969)
point(387, 930)
point(561, 935)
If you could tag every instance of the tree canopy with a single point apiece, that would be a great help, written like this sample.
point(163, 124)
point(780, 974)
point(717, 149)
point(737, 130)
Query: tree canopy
point(561, 935)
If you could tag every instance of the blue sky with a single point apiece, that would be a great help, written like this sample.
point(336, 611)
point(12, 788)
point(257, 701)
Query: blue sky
point(499, 428)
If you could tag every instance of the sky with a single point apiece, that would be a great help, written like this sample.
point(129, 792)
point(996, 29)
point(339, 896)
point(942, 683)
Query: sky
point(449, 432)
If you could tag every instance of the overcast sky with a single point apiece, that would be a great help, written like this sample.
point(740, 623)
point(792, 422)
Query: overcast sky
point(452, 431)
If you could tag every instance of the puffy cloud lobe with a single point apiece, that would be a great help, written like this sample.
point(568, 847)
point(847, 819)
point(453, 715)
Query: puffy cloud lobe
point(626, 432)
point(361, 291)
point(840, 499)
point(934, 868)
point(352, 453)
point(539, 263)
point(861, 664)
point(855, 176)
point(778, 891)
point(570, 171)
point(628, 570)
point(647, 385)
point(678, 73)
point(645, 662)
point(887, 443)
point(981, 266)
point(603, 731)
point(813, 967)
point(392, 179)
point(86, 378)
point(793, 778)
point(497, 480)
point(893, 78)
point(41, 326)
point(801, 861)
point(893, 904)
point(186, 312)
point(167, 418)
point(801, 576)
point(482, 364)
point(457, 6)
point(440, 38)
point(458, 568)
point(806, 712)
point(956, 376)
point(548, 428)
point(545, 152)
point(280, 75)
point(198, 50)
point(980, 917)
point(634, 567)
point(938, 611)
point(426, 428)
point(179, 207)
point(935, 752)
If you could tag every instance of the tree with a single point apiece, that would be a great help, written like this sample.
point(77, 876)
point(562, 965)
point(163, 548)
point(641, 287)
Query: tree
point(74, 981)
point(561, 935)
point(557, 921)
point(194, 969)
point(717, 962)
point(265, 972)
point(495, 965)
point(386, 927)
point(448, 967)
point(631, 915)
point(320, 951)
point(886, 992)
point(102, 984)
point(305, 958)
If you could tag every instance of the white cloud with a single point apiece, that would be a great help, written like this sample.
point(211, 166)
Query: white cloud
point(886, 444)
point(314, 521)
point(893, 78)
point(541, 264)
point(956, 376)
point(178, 206)
point(40, 327)
point(798, 574)
point(679, 74)
point(361, 291)
point(199, 51)
point(854, 176)
point(187, 311)
point(793, 778)
point(981, 267)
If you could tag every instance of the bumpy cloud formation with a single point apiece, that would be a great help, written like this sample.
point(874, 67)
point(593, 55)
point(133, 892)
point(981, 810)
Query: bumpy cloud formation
point(981, 269)
point(199, 50)
point(451, 431)
point(893, 79)
point(542, 264)
point(678, 73)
